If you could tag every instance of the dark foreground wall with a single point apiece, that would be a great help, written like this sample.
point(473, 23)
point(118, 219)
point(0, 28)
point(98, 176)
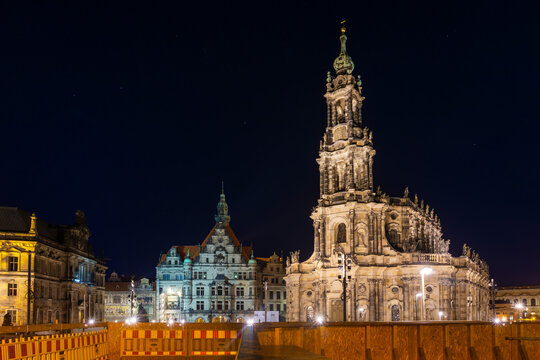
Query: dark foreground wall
point(411, 341)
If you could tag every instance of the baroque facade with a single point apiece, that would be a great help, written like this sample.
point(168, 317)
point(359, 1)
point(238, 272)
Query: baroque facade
point(48, 272)
point(271, 292)
point(214, 281)
point(383, 241)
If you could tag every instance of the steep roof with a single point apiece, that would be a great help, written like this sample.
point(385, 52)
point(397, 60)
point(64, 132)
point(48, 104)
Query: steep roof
point(182, 250)
point(118, 286)
point(13, 219)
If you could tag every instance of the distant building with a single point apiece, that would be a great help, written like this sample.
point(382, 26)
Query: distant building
point(272, 294)
point(211, 282)
point(121, 303)
point(513, 303)
point(67, 282)
point(382, 241)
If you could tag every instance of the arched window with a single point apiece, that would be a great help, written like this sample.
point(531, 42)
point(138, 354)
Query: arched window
point(393, 237)
point(309, 313)
point(341, 233)
point(525, 302)
point(515, 301)
point(533, 302)
point(395, 312)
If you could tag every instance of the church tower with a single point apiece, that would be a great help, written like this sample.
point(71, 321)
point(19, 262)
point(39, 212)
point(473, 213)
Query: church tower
point(346, 151)
point(385, 241)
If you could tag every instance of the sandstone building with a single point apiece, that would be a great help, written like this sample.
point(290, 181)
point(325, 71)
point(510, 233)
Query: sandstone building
point(271, 292)
point(384, 240)
point(515, 302)
point(48, 272)
point(214, 281)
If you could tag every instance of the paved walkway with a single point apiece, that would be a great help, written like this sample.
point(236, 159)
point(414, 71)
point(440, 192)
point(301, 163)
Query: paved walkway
point(250, 349)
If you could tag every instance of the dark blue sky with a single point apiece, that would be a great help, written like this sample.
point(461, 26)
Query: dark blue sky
point(135, 112)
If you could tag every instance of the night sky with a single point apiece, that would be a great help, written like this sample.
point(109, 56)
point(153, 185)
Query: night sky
point(135, 112)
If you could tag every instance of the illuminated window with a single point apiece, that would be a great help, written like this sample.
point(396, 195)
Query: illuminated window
point(12, 289)
point(13, 263)
point(13, 314)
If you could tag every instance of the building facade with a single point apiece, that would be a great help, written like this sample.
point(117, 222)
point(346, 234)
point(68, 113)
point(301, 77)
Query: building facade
point(514, 303)
point(124, 297)
point(211, 282)
point(271, 292)
point(49, 273)
point(382, 242)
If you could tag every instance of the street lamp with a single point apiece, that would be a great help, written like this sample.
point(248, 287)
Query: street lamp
point(344, 264)
point(424, 272)
point(418, 296)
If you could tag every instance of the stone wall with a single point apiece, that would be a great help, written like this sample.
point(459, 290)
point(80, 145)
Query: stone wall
point(413, 341)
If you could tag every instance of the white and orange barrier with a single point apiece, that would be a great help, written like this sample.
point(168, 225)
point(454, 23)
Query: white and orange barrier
point(74, 346)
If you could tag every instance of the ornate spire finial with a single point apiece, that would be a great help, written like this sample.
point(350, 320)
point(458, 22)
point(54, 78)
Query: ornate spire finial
point(222, 209)
point(222, 187)
point(343, 64)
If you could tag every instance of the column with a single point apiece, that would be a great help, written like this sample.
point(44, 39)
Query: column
point(372, 299)
point(380, 299)
point(317, 236)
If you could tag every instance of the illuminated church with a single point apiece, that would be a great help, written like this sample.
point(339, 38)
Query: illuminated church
point(382, 242)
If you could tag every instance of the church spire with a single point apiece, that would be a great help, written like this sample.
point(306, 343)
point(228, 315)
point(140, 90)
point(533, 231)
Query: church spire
point(343, 64)
point(222, 209)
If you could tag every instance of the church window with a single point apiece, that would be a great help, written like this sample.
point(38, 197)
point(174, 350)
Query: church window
point(533, 302)
point(341, 233)
point(13, 263)
point(393, 237)
point(395, 312)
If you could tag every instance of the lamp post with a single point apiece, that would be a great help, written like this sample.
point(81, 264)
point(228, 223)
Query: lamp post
point(492, 286)
point(265, 305)
point(344, 264)
point(423, 273)
point(418, 296)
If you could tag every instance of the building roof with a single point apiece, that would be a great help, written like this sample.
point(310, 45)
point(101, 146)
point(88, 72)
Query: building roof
point(182, 250)
point(13, 219)
point(118, 286)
